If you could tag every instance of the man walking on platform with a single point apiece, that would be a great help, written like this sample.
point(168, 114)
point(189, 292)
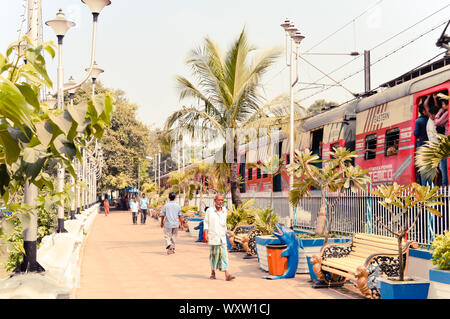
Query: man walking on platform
point(171, 220)
point(134, 208)
point(215, 230)
point(143, 204)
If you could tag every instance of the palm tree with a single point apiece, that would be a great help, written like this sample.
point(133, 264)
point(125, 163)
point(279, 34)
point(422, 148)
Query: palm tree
point(228, 94)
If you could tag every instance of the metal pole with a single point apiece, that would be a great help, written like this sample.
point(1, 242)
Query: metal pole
point(30, 263)
point(367, 70)
point(60, 171)
point(159, 171)
point(155, 159)
point(77, 187)
point(291, 127)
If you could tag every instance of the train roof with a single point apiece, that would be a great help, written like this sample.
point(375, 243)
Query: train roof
point(412, 86)
point(339, 113)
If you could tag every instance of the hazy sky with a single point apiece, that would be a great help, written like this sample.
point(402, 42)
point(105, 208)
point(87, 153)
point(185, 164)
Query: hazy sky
point(142, 44)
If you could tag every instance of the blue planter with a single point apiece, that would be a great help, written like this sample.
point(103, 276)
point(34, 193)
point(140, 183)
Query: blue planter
point(442, 276)
point(416, 289)
point(264, 241)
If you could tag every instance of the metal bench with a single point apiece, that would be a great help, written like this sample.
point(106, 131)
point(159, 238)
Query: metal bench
point(363, 260)
point(242, 238)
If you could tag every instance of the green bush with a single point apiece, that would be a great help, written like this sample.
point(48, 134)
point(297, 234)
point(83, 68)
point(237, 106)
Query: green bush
point(186, 209)
point(265, 220)
point(441, 253)
point(15, 248)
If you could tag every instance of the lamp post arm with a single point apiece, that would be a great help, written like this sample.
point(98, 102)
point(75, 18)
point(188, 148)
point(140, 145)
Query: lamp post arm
point(94, 39)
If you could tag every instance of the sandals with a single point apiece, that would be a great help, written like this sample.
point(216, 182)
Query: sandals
point(212, 277)
point(230, 278)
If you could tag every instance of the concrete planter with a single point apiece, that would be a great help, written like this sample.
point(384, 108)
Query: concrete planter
point(411, 289)
point(439, 284)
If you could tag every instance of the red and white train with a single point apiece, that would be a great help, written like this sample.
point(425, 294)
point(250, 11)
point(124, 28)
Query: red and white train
point(380, 127)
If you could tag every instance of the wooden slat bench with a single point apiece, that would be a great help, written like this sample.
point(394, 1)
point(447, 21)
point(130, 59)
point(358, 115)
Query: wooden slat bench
point(243, 238)
point(363, 260)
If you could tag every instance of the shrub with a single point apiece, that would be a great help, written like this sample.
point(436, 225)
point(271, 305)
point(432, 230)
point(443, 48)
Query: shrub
point(441, 253)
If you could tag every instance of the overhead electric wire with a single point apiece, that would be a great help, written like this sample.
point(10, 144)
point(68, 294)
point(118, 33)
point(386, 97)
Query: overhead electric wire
point(351, 21)
point(380, 59)
point(383, 42)
point(345, 25)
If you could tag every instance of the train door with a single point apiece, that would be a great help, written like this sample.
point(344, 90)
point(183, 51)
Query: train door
point(277, 178)
point(434, 103)
point(242, 173)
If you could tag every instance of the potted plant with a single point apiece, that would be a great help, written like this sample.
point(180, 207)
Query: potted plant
point(440, 275)
point(404, 199)
point(334, 176)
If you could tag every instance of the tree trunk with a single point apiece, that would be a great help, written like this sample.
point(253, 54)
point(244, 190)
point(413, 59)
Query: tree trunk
point(234, 178)
point(400, 256)
point(321, 217)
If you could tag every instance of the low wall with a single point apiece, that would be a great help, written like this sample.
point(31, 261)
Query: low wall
point(59, 254)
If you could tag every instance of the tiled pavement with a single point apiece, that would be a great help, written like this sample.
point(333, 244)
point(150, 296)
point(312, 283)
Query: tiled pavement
point(125, 261)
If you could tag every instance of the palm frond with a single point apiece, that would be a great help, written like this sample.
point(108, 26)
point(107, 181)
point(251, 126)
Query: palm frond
point(429, 155)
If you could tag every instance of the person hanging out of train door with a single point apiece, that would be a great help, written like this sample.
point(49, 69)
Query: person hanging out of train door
point(420, 132)
point(441, 122)
point(431, 111)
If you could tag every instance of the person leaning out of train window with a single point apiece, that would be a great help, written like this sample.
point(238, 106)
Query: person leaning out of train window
point(441, 120)
point(393, 149)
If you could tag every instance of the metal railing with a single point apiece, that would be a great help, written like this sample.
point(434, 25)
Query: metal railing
point(354, 213)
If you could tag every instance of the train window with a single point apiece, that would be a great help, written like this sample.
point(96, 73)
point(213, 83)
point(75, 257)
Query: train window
point(391, 144)
point(258, 173)
point(264, 175)
point(371, 147)
point(250, 174)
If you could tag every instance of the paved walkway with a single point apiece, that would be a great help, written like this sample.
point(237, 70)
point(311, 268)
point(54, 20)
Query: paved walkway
point(126, 261)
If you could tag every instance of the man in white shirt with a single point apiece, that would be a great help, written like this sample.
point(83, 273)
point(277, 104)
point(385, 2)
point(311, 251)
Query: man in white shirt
point(215, 230)
point(134, 207)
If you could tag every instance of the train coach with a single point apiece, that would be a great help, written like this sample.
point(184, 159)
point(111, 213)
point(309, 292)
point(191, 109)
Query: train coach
point(380, 127)
point(385, 123)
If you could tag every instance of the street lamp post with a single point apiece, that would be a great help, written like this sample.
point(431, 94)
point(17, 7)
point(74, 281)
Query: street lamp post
point(292, 35)
point(60, 26)
point(96, 71)
point(75, 188)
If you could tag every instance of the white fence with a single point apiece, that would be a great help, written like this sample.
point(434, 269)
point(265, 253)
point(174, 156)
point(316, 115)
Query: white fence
point(354, 213)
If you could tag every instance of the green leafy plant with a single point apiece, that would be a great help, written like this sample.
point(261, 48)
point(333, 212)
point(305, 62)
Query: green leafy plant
point(441, 251)
point(335, 176)
point(265, 220)
point(33, 137)
point(405, 198)
point(243, 214)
